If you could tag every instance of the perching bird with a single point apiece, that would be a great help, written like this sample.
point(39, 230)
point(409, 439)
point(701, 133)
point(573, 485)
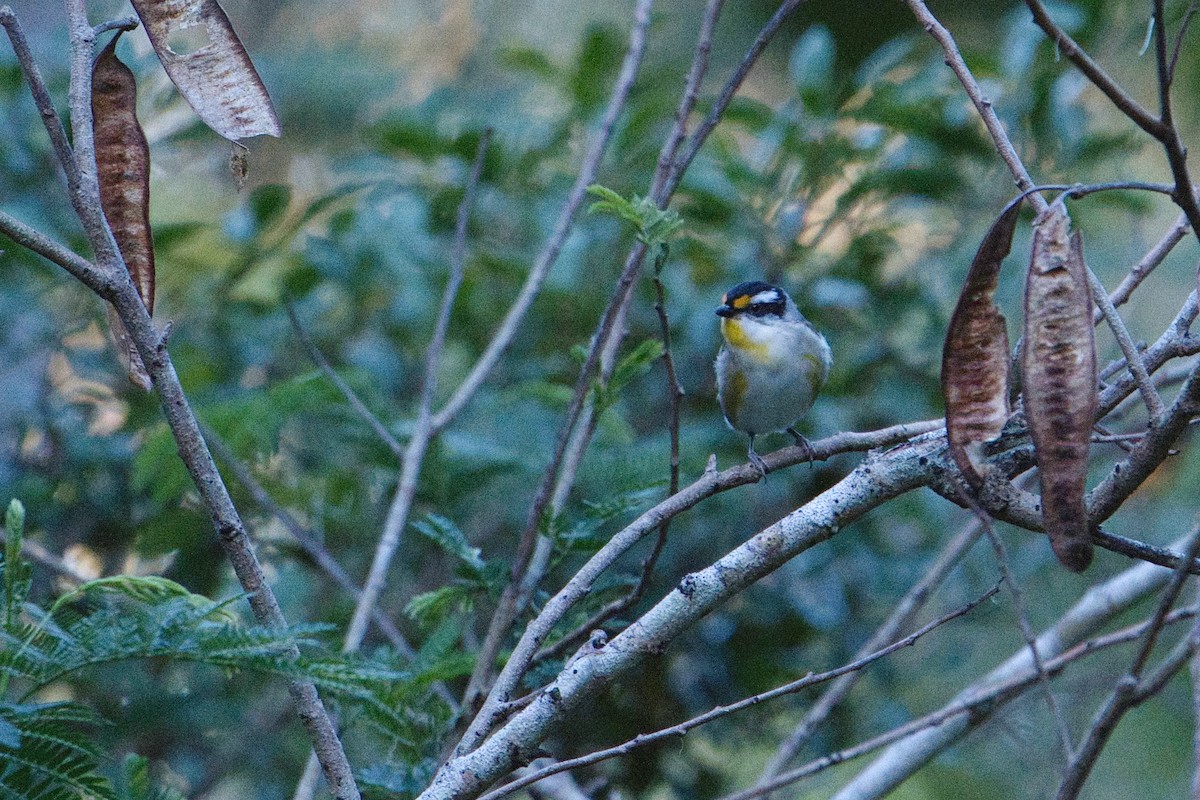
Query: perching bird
point(771, 366)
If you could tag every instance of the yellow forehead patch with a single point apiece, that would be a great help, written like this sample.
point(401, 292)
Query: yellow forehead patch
point(741, 302)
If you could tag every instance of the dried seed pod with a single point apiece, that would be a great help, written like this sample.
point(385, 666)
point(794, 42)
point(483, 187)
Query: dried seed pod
point(1059, 381)
point(975, 358)
point(209, 66)
point(123, 172)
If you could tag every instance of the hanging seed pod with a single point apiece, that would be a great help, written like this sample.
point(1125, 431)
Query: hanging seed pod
point(123, 171)
point(1059, 381)
point(206, 61)
point(975, 357)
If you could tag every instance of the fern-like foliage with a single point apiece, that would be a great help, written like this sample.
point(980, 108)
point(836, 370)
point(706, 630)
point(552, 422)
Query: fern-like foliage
point(44, 748)
point(43, 755)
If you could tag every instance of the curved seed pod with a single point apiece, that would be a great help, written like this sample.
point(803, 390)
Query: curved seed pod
point(123, 171)
point(1059, 381)
point(209, 66)
point(975, 358)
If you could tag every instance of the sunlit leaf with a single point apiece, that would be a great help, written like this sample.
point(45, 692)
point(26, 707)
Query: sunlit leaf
point(1059, 380)
point(452, 540)
point(975, 358)
point(206, 61)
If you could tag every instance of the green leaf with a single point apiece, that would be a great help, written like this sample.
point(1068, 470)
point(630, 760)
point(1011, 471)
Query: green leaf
point(654, 226)
point(596, 65)
point(136, 783)
point(635, 363)
point(448, 536)
point(811, 62)
point(432, 607)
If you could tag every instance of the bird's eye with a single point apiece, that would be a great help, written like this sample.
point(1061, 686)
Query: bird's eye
point(765, 309)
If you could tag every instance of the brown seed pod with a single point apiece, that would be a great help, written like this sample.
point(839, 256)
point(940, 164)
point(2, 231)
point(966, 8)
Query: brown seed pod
point(975, 357)
point(123, 171)
point(1059, 381)
point(206, 61)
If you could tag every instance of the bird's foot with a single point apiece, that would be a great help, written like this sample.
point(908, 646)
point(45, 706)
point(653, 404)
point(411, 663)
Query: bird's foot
point(804, 444)
point(759, 464)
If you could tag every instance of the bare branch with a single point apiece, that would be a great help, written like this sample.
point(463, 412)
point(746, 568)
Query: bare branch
point(881, 477)
point(508, 678)
point(968, 710)
point(983, 106)
point(1133, 359)
point(1094, 72)
point(562, 227)
point(723, 711)
point(308, 543)
point(41, 97)
point(1060, 722)
point(414, 452)
point(1150, 261)
point(85, 271)
point(1097, 607)
point(1129, 690)
point(903, 613)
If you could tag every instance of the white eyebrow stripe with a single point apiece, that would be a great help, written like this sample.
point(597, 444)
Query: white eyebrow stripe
point(765, 297)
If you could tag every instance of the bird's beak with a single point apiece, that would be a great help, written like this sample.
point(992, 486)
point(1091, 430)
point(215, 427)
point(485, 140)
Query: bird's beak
point(726, 310)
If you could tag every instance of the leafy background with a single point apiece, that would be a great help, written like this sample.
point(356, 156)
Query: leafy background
point(852, 171)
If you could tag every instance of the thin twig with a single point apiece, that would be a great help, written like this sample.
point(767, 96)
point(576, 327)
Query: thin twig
point(118, 289)
point(675, 395)
point(986, 701)
point(1133, 359)
point(983, 106)
point(338, 381)
point(414, 453)
point(1125, 695)
point(722, 711)
point(1124, 102)
point(1150, 261)
point(1060, 722)
point(506, 608)
point(712, 482)
point(41, 97)
point(1183, 26)
point(1176, 150)
point(570, 442)
point(85, 271)
point(42, 555)
point(562, 227)
point(715, 114)
point(900, 617)
point(307, 541)
point(507, 681)
point(123, 24)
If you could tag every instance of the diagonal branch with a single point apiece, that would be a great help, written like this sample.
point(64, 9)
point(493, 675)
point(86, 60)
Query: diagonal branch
point(1095, 73)
point(562, 227)
point(414, 452)
point(666, 179)
point(880, 478)
point(1126, 694)
point(905, 610)
point(641, 740)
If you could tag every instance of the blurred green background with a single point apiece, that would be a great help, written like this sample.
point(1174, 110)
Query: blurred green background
point(851, 170)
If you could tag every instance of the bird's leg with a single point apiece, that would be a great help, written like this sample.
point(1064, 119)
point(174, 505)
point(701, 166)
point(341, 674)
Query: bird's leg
point(809, 454)
point(756, 459)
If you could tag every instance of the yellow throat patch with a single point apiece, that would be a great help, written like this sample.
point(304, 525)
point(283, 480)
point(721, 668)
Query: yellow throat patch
point(737, 338)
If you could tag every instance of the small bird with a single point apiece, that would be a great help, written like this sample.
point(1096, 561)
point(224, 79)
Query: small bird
point(771, 366)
